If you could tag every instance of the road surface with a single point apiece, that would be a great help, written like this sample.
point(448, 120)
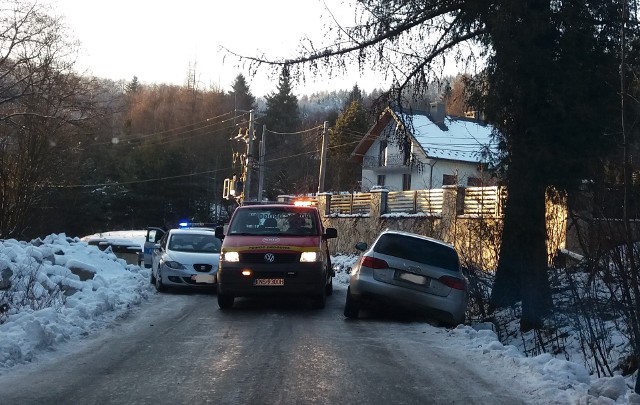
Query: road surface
point(181, 349)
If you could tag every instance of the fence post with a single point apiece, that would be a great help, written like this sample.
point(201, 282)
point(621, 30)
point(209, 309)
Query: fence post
point(378, 202)
point(450, 209)
point(324, 203)
point(351, 202)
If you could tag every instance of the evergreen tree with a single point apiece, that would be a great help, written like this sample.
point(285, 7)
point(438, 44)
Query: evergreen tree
point(241, 94)
point(354, 95)
point(284, 148)
point(281, 114)
point(133, 86)
point(350, 126)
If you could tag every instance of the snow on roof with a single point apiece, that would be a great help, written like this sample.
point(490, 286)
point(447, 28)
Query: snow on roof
point(463, 139)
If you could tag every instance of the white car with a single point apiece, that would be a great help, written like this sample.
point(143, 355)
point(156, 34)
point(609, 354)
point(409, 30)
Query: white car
point(186, 258)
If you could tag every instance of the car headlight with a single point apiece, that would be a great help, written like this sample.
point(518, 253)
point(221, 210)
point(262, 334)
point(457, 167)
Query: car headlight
point(173, 265)
point(230, 256)
point(309, 257)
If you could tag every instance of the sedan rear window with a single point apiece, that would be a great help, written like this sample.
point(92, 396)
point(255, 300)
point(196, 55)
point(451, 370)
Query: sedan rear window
point(417, 250)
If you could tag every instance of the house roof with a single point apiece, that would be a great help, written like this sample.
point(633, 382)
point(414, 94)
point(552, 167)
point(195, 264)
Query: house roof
point(457, 138)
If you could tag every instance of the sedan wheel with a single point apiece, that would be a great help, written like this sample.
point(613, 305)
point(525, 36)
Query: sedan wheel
point(351, 307)
point(159, 286)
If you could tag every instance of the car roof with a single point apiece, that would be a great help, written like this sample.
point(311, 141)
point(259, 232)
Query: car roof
point(415, 235)
point(191, 230)
point(289, 207)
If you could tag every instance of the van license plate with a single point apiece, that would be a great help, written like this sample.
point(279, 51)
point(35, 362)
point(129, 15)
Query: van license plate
point(268, 282)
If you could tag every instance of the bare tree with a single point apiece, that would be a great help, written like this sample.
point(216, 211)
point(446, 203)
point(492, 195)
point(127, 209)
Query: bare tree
point(40, 98)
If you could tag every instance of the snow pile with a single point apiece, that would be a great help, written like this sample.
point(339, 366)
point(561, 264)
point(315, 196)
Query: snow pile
point(61, 288)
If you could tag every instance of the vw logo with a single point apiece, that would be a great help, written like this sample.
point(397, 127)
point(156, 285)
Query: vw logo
point(269, 258)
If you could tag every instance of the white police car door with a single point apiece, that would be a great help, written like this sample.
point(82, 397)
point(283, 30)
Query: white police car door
point(153, 236)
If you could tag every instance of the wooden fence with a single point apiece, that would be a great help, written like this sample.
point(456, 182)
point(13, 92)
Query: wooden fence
point(485, 201)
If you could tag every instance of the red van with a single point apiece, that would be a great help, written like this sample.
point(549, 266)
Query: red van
point(275, 249)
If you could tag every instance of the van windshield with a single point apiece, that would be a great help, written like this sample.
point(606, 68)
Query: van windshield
point(286, 221)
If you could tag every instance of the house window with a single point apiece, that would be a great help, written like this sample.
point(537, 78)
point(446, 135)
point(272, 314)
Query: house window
point(449, 180)
point(382, 154)
point(406, 151)
point(474, 182)
point(406, 182)
point(381, 178)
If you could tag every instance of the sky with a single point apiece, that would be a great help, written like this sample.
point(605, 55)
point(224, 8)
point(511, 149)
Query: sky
point(160, 41)
point(114, 287)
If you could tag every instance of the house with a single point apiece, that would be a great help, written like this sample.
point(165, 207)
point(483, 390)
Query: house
point(421, 150)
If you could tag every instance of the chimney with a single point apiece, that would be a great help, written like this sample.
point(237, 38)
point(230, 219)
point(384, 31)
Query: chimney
point(437, 112)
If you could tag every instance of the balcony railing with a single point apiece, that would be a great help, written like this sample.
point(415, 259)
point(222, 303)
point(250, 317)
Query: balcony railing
point(373, 162)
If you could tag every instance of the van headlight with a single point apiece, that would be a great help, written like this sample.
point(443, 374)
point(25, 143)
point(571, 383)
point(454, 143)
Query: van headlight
point(231, 256)
point(309, 257)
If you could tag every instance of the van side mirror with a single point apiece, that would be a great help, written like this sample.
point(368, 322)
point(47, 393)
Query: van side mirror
point(330, 233)
point(361, 246)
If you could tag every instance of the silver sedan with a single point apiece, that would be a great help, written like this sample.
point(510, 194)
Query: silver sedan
point(410, 271)
point(186, 258)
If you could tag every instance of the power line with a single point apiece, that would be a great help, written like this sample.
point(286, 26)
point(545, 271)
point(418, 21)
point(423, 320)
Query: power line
point(170, 132)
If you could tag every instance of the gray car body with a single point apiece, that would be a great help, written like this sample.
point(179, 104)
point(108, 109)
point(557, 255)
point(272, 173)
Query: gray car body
point(408, 284)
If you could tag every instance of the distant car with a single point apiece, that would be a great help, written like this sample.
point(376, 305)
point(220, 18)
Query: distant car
point(410, 271)
point(275, 250)
point(186, 258)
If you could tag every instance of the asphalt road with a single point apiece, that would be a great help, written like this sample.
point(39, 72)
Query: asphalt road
point(181, 349)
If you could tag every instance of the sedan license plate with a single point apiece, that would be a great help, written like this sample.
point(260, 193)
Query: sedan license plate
point(414, 278)
point(204, 278)
point(260, 282)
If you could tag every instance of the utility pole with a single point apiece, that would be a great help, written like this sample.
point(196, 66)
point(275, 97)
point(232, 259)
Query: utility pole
point(263, 145)
point(323, 156)
point(249, 161)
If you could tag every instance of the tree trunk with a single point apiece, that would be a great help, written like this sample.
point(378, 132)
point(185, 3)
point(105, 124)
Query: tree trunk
point(521, 274)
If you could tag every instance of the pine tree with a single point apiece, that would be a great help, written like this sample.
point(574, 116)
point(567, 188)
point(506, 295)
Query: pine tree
point(281, 114)
point(351, 125)
point(241, 94)
point(134, 86)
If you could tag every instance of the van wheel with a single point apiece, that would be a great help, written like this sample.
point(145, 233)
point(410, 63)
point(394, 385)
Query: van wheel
point(320, 300)
point(329, 287)
point(351, 307)
point(225, 301)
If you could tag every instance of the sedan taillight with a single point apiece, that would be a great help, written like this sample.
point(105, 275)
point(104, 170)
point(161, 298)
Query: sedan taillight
point(453, 282)
point(374, 263)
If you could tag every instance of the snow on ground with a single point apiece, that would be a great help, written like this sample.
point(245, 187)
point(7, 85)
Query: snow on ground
point(74, 289)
